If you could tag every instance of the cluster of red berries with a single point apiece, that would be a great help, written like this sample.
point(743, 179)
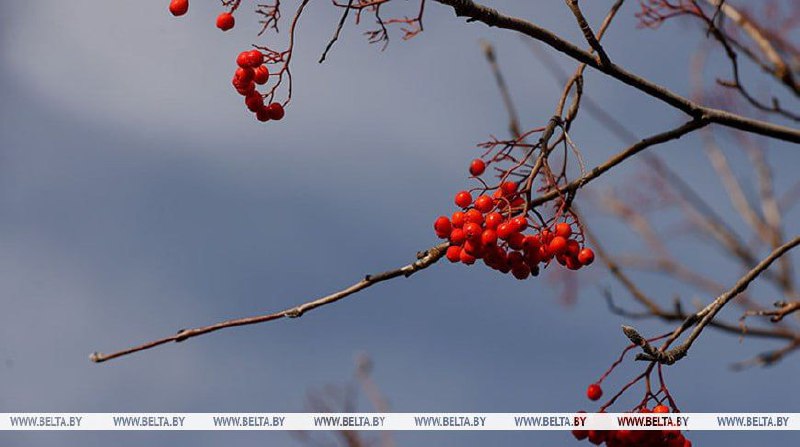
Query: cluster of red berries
point(636, 438)
point(483, 231)
point(225, 20)
point(631, 438)
point(251, 71)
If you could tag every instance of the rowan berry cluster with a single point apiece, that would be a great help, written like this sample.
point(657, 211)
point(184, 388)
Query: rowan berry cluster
point(493, 228)
point(250, 72)
point(661, 400)
point(251, 69)
point(636, 438)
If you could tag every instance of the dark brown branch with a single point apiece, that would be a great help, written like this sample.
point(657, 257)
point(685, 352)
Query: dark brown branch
point(588, 34)
point(778, 68)
point(782, 309)
point(337, 32)
point(768, 358)
point(702, 318)
point(513, 118)
point(491, 17)
point(619, 158)
point(424, 259)
point(653, 310)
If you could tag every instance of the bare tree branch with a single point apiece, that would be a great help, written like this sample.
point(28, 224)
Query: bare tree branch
point(588, 34)
point(491, 17)
point(702, 318)
point(513, 118)
point(621, 156)
point(424, 260)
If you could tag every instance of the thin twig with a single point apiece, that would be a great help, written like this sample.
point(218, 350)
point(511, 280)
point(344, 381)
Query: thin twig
point(513, 118)
point(588, 34)
point(618, 158)
point(424, 259)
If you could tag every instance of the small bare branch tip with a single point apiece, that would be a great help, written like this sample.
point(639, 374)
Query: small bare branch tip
point(632, 335)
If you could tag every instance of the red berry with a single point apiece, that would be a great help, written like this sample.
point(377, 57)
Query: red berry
point(509, 188)
point(532, 259)
point(586, 256)
point(493, 220)
point(473, 248)
point(504, 230)
point(254, 58)
point(571, 262)
point(678, 441)
point(515, 258)
point(580, 435)
point(564, 230)
point(453, 253)
point(621, 435)
point(557, 245)
point(458, 219)
point(442, 227)
point(457, 236)
point(519, 223)
point(243, 87)
point(531, 243)
point(520, 271)
point(484, 204)
point(178, 7)
point(515, 241)
point(254, 101)
point(594, 392)
point(477, 167)
point(247, 89)
point(243, 59)
point(474, 215)
point(597, 437)
point(489, 237)
point(467, 258)
point(225, 21)
point(544, 254)
point(275, 110)
point(472, 231)
point(262, 114)
point(661, 409)
point(261, 75)
point(463, 199)
point(244, 75)
point(573, 248)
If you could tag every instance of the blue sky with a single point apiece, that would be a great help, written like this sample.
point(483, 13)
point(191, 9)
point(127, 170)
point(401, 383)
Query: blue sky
point(137, 196)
